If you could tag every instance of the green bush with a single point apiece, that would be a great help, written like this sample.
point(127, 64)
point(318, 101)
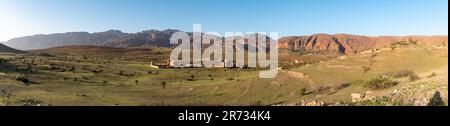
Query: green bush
point(322, 90)
point(31, 102)
point(402, 73)
point(231, 78)
point(413, 77)
point(405, 42)
point(342, 86)
point(192, 78)
point(380, 83)
point(365, 69)
point(163, 84)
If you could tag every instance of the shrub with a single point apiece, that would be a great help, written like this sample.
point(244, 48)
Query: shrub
point(24, 80)
point(31, 102)
point(126, 73)
point(192, 78)
point(72, 68)
point(322, 90)
point(380, 83)
point(374, 55)
point(432, 75)
point(304, 92)
point(365, 69)
point(405, 42)
point(402, 73)
point(393, 47)
point(406, 73)
point(230, 78)
point(342, 86)
point(163, 84)
point(413, 77)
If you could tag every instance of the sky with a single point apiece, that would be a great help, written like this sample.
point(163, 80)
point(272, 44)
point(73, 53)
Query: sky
point(287, 17)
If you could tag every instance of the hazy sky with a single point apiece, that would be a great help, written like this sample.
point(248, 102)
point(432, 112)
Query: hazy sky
point(288, 17)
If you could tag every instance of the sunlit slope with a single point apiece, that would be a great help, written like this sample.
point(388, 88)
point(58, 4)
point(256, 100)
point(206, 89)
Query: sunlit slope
point(60, 79)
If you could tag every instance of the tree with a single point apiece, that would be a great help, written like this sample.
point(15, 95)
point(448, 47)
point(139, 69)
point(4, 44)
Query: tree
point(163, 84)
point(72, 68)
point(6, 94)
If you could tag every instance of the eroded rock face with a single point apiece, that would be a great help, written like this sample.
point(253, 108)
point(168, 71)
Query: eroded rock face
point(350, 44)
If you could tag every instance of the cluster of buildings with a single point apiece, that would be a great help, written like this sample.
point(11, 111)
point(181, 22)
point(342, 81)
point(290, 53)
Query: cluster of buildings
point(174, 64)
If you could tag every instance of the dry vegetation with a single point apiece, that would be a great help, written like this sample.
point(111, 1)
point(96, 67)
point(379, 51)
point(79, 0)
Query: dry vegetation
point(87, 75)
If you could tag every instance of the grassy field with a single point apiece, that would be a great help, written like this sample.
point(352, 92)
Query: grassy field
point(92, 79)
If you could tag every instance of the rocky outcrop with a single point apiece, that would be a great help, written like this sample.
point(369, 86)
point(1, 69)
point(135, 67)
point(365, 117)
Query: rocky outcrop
point(64, 39)
point(350, 44)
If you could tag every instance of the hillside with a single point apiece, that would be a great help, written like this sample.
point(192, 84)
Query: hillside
point(113, 38)
point(4, 48)
point(351, 44)
point(146, 54)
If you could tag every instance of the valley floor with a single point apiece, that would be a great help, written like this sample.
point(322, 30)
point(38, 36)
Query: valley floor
point(61, 80)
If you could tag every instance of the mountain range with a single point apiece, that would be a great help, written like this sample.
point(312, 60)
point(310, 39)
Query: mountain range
point(323, 43)
point(351, 44)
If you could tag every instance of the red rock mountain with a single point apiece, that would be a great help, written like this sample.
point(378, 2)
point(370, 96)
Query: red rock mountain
point(350, 44)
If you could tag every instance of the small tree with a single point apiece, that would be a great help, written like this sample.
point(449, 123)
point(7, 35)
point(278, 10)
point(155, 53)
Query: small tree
point(303, 92)
point(393, 47)
point(414, 77)
point(365, 69)
point(72, 68)
point(192, 78)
